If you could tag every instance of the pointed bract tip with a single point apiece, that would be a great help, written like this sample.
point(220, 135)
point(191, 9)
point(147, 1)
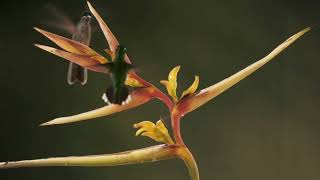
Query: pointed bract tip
point(43, 47)
point(89, 4)
point(303, 31)
point(38, 45)
point(38, 29)
point(308, 28)
point(46, 48)
point(49, 123)
point(44, 124)
point(41, 125)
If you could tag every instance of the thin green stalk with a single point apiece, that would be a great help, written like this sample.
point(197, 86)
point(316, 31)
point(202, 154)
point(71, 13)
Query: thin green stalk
point(145, 155)
point(150, 154)
point(190, 162)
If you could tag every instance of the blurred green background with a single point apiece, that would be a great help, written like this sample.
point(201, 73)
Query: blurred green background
point(266, 127)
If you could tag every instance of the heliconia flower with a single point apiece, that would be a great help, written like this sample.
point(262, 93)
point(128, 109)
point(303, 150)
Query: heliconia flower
point(157, 132)
point(189, 101)
point(143, 92)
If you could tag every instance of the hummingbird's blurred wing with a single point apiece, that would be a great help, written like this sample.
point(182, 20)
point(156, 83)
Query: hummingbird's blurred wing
point(81, 34)
point(77, 73)
point(59, 19)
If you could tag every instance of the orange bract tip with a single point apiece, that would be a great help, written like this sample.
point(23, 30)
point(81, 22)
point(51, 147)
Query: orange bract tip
point(139, 97)
point(72, 46)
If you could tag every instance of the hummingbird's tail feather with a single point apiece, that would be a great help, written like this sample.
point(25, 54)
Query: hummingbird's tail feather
point(77, 73)
point(117, 96)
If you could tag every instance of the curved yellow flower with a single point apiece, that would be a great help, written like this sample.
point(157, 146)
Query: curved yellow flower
point(192, 89)
point(157, 132)
point(133, 82)
point(171, 84)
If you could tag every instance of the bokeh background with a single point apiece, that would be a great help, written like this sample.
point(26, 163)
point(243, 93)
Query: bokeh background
point(266, 127)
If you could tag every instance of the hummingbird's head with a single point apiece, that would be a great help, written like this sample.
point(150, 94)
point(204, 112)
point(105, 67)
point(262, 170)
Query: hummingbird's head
point(86, 17)
point(121, 51)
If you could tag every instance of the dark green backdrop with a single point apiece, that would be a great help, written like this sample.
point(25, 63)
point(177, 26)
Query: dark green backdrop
point(266, 127)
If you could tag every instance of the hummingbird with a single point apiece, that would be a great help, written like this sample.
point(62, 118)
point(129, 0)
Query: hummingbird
point(82, 34)
point(118, 69)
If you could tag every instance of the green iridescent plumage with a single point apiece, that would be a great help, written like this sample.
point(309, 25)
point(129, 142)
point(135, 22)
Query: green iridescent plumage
point(118, 69)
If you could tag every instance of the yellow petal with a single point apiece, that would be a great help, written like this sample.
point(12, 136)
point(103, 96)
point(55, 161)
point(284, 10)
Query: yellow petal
point(165, 82)
point(173, 74)
point(144, 126)
point(157, 132)
point(193, 102)
point(171, 84)
point(160, 125)
point(192, 88)
point(133, 82)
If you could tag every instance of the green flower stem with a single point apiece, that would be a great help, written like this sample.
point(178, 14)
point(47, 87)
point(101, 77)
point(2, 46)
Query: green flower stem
point(145, 155)
point(149, 154)
point(190, 162)
point(175, 119)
